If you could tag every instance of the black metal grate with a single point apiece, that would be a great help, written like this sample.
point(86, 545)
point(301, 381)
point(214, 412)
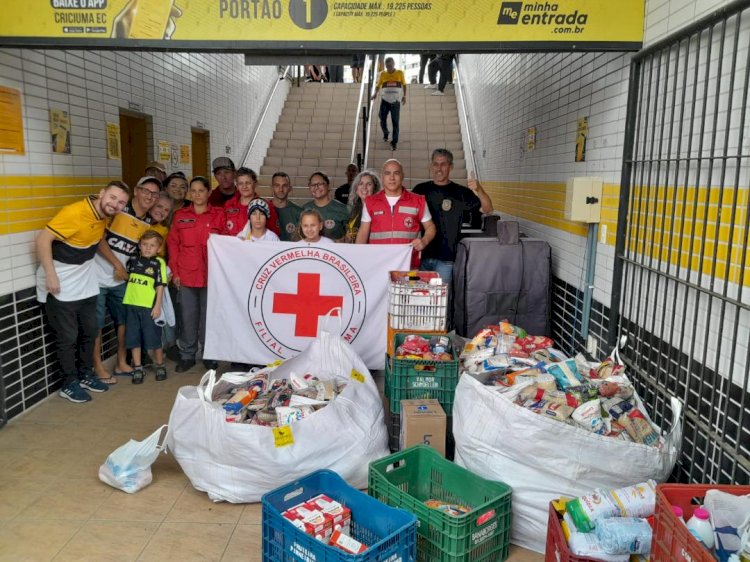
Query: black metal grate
point(681, 291)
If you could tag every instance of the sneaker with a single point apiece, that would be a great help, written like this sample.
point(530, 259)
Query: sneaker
point(393, 146)
point(385, 138)
point(430, 87)
point(210, 364)
point(161, 372)
point(184, 365)
point(74, 393)
point(438, 93)
point(137, 375)
point(92, 383)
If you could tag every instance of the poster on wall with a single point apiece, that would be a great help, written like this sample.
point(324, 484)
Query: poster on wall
point(175, 156)
point(184, 154)
point(581, 136)
point(59, 127)
point(11, 121)
point(530, 139)
point(307, 25)
point(165, 151)
point(113, 141)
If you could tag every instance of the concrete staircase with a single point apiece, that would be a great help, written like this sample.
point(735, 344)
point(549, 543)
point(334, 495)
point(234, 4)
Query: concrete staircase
point(427, 122)
point(315, 132)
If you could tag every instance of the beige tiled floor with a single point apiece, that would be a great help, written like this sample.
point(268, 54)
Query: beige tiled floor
point(53, 506)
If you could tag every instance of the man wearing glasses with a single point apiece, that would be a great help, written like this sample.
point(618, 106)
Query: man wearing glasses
point(119, 244)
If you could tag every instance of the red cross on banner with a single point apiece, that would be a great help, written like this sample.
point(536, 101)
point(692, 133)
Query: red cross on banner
point(308, 305)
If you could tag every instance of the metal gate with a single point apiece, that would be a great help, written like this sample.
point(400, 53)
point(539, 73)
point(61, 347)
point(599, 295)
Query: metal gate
point(681, 290)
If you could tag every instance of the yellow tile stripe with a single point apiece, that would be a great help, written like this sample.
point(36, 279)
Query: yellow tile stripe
point(697, 211)
point(29, 202)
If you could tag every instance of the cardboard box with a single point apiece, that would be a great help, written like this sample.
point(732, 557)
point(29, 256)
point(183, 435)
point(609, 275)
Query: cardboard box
point(422, 422)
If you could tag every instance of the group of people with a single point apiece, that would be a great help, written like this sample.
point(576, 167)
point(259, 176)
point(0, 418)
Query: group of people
point(142, 255)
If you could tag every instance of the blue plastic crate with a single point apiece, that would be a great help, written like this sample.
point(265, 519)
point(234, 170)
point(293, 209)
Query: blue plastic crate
point(390, 533)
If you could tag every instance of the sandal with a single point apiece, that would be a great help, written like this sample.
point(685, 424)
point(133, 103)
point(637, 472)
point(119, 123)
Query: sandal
point(137, 375)
point(108, 380)
point(122, 373)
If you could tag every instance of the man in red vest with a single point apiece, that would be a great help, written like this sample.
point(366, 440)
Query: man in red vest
point(395, 215)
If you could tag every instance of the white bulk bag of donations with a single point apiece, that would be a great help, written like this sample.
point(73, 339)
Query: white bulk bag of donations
point(542, 459)
point(239, 462)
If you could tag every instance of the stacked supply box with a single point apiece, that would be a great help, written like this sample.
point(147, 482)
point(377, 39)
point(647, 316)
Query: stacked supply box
point(462, 517)
point(409, 378)
point(417, 303)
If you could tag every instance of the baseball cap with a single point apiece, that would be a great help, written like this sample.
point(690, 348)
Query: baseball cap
point(223, 162)
point(258, 205)
point(149, 179)
point(156, 164)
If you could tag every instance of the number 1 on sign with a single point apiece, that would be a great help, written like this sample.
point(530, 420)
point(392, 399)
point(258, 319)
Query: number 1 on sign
point(308, 11)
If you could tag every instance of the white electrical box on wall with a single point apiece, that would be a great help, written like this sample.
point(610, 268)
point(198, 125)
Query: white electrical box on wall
point(583, 199)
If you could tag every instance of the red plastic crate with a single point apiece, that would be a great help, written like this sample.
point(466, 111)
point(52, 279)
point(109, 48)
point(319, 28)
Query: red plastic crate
point(672, 541)
point(557, 547)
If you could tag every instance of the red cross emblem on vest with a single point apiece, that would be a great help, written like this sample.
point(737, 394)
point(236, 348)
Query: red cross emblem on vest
point(307, 304)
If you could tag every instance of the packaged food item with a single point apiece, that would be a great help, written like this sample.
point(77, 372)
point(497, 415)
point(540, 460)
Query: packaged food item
point(589, 416)
point(618, 387)
point(606, 369)
point(565, 373)
point(309, 520)
point(286, 415)
point(624, 535)
point(642, 428)
point(301, 381)
point(240, 400)
point(638, 500)
point(440, 344)
point(554, 410)
point(452, 509)
point(346, 543)
point(340, 515)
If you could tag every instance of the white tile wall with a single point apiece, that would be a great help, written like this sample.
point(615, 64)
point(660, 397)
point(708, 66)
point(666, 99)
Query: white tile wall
point(176, 89)
point(506, 94)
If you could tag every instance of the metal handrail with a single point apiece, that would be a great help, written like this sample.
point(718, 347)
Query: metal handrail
point(357, 116)
point(465, 114)
point(262, 117)
point(375, 60)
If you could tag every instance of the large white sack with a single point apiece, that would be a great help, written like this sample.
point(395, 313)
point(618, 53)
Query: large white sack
point(240, 462)
point(542, 459)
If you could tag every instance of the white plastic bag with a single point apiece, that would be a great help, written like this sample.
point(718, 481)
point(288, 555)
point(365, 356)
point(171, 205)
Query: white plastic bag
point(240, 462)
point(128, 468)
point(542, 459)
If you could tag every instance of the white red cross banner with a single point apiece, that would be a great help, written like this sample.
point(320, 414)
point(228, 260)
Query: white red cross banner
point(267, 300)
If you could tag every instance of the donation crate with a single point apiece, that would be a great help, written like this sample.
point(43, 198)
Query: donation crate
point(672, 541)
point(410, 478)
point(408, 379)
point(389, 533)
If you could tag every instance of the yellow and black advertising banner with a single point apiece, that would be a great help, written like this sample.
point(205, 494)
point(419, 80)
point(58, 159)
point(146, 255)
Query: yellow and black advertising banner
point(326, 25)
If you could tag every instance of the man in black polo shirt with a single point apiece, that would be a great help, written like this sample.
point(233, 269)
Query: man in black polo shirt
point(447, 202)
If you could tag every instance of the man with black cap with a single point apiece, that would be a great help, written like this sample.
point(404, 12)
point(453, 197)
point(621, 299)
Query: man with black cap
point(225, 174)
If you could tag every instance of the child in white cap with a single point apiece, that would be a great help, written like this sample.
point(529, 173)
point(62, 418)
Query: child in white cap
point(255, 230)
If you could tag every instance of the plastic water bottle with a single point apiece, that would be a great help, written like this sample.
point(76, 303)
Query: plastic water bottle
point(700, 527)
point(624, 535)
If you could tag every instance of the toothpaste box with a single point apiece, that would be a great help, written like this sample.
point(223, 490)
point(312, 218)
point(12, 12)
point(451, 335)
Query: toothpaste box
point(346, 543)
point(309, 519)
point(341, 516)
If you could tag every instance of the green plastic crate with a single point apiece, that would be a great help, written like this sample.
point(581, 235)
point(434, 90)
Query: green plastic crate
point(409, 379)
point(409, 478)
